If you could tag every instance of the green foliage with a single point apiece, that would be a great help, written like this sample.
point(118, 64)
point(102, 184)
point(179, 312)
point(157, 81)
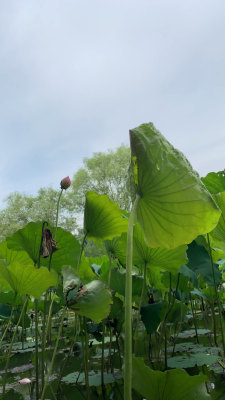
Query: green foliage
point(174, 206)
point(152, 315)
point(190, 360)
point(218, 234)
point(102, 218)
point(27, 279)
point(29, 239)
point(200, 263)
point(105, 173)
point(169, 385)
point(92, 300)
point(21, 209)
point(214, 182)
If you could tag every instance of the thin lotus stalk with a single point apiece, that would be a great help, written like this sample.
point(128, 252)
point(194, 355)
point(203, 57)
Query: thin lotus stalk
point(110, 269)
point(43, 343)
point(110, 350)
point(194, 318)
point(128, 306)
point(54, 354)
point(103, 360)
point(7, 327)
point(81, 252)
point(138, 314)
point(36, 350)
point(216, 294)
point(143, 287)
point(85, 356)
point(76, 329)
point(57, 213)
point(11, 345)
point(48, 325)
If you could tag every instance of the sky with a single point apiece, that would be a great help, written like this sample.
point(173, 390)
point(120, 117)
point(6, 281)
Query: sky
point(76, 75)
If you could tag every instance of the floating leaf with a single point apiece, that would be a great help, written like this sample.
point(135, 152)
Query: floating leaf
point(174, 205)
point(190, 360)
point(191, 333)
point(103, 219)
point(94, 378)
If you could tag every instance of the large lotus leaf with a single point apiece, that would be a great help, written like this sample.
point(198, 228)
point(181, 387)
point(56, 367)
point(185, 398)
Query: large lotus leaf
point(68, 251)
point(152, 315)
point(86, 273)
point(189, 274)
point(27, 279)
point(5, 311)
point(70, 280)
point(118, 281)
point(218, 234)
point(174, 205)
point(92, 301)
point(103, 219)
point(156, 279)
point(10, 298)
point(215, 182)
point(166, 259)
point(200, 263)
point(10, 255)
point(117, 248)
point(177, 312)
point(169, 385)
point(27, 239)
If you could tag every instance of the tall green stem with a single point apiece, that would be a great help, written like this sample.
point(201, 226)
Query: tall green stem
point(85, 356)
point(36, 350)
point(11, 345)
point(7, 327)
point(128, 306)
point(217, 296)
point(57, 213)
point(103, 360)
point(54, 354)
point(81, 252)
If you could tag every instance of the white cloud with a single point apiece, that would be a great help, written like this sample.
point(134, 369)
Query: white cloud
point(75, 76)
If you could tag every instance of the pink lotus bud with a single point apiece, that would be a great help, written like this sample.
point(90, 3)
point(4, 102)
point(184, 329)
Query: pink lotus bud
point(65, 183)
point(24, 381)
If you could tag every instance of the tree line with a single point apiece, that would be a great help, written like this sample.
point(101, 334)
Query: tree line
point(105, 173)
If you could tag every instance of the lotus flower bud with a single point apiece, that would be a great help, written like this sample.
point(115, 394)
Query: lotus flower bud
point(65, 183)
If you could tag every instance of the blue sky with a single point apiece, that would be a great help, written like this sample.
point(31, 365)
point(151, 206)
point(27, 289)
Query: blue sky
point(75, 76)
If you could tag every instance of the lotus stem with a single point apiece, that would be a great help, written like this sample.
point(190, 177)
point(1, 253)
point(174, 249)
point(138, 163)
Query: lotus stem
point(54, 354)
point(128, 306)
point(217, 296)
point(11, 345)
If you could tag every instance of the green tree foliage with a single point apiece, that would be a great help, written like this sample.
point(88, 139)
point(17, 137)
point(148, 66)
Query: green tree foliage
point(104, 173)
point(21, 209)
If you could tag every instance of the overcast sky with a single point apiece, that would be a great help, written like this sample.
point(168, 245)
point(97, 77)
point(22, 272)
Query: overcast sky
point(75, 76)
